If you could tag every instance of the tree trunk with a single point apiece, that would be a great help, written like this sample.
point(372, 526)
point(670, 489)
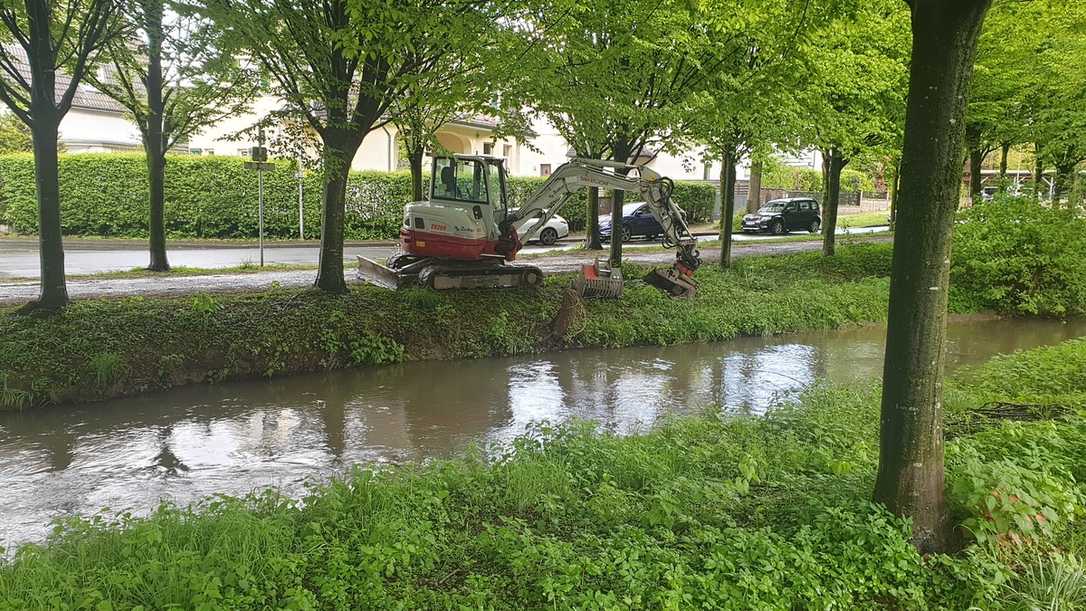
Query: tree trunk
point(54, 290)
point(976, 161)
point(910, 479)
point(154, 140)
point(833, 201)
point(592, 221)
point(1038, 172)
point(1004, 151)
point(337, 162)
point(414, 159)
point(618, 198)
point(754, 194)
point(156, 173)
point(894, 189)
point(1061, 188)
point(727, 207)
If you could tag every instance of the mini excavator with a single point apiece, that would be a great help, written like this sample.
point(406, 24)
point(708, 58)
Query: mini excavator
point(464, 235)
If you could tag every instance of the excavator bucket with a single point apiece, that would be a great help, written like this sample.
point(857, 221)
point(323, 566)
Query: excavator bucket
point(672, 281)
point(598, 281)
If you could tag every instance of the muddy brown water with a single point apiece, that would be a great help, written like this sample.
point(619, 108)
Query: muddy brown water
point(186, 444)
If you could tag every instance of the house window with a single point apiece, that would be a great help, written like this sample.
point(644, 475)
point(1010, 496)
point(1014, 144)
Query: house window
point(544, 169)
point(507, 151)
point(488, 148)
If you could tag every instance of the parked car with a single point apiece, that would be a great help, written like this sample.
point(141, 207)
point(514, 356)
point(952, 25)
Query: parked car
point(637, 220)
point(783, 215)
point(555, 229)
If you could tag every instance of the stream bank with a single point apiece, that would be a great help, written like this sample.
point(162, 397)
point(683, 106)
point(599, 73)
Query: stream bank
point(100, 348)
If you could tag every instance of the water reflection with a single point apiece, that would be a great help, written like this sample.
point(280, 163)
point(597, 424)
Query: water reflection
point(233, 438)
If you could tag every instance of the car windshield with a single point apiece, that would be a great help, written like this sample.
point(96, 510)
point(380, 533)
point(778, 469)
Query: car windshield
point(776, 206)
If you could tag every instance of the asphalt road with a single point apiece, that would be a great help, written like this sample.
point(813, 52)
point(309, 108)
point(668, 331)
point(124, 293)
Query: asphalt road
point(19, 257)
point(13, 291)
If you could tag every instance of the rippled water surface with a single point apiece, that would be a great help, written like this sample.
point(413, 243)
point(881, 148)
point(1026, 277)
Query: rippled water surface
point(182, 445)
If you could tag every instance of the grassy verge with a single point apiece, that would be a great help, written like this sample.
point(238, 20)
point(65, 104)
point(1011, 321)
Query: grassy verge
point(704, 512)
point(104, 348)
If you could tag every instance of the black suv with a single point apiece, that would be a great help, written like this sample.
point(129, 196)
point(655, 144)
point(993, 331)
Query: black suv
point(784, 215)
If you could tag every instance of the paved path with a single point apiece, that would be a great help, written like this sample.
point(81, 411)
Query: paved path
point(19, 257)
point(22, 291)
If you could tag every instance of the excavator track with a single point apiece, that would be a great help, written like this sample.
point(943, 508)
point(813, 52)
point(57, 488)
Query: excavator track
point(406, 271)
point(446, 275)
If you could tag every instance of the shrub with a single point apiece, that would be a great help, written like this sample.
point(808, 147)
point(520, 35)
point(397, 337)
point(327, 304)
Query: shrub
point(1017, 256)
point(216, 197)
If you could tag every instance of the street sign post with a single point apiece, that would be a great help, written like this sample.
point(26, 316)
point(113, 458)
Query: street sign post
point(259, 155)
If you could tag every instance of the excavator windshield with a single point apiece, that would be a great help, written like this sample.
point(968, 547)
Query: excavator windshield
point(462, 180)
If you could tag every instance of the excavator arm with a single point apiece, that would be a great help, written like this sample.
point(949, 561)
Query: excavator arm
point(568, 180)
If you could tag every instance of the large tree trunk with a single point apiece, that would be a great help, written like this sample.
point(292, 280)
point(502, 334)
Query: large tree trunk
point(754, 194)
point(976, 161)
point(54, 290)
point(618, 198)
point(154, 142)
point(894, 184)
point(833, 201)
point(156, 174)
point(338, 153)
point(592, 221)
point(727, 207)
point(44, 133)
point(910, 479)
point(414, 159)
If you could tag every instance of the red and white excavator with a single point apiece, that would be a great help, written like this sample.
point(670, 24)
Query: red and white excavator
point(464, 236)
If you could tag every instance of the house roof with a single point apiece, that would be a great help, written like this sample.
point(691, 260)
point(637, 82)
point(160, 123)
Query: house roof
point(86, 97)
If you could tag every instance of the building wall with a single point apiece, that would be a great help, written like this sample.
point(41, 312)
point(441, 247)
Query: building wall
point(92, 131)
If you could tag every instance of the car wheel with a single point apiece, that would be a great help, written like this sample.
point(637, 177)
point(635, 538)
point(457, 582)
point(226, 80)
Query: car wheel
point(626, 234)
point(777, 228)
point(815, 226)
point(548, 236)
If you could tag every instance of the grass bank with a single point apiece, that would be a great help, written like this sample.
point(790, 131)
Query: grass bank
point(104, 348)
point(704, 512)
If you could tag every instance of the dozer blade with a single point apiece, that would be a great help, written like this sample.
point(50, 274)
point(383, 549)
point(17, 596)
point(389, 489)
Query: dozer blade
point(374, 273)
point(672, 282)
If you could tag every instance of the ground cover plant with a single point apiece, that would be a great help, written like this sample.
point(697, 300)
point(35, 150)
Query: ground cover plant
point(717, 511)
point(101, 348)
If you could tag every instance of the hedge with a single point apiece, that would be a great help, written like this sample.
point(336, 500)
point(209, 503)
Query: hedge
point(215, 197)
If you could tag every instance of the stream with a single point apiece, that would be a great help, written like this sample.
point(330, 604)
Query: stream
point(185, 444)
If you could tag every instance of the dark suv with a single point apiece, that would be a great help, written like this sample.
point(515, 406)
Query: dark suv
point(784, 215)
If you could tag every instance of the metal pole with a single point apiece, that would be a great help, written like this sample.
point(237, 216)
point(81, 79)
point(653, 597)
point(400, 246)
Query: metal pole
point(301, 208)
point(260, 213)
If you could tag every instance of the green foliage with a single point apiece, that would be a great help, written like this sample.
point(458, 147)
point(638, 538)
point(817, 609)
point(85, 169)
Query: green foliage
point(224, 336)
point(14, 135)
point(776, 175)
point(216, 197)
point(1050, 581)
point(371, 349)
point(1017, 256)
point(703, 512)
point(1010, 501)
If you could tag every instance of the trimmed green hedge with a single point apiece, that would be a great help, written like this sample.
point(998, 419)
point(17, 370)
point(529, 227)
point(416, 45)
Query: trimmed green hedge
point(215, 197)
